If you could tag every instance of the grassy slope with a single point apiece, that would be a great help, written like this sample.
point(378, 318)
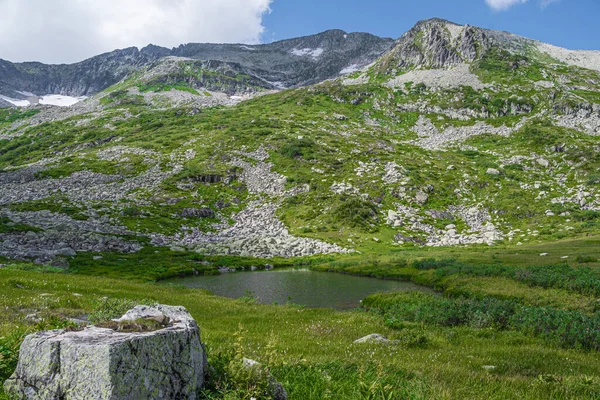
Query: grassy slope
point(311, 350)
point(318, 128)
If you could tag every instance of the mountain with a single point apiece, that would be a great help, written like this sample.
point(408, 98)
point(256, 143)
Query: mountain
point(335, 143)
point(288, 63)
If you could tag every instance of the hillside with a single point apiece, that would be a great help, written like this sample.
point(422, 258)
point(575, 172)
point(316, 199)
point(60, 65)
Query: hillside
point(463, 160)
point(456, 136)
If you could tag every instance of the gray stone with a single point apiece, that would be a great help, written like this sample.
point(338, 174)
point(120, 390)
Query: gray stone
point(100, 363)
point(421, 197)
point(492, 171)
point(276, 389)
point(543, 162)
point(374, 338)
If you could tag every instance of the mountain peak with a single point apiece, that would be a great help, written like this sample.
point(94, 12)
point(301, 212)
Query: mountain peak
point(439, 43)
point(436, 20)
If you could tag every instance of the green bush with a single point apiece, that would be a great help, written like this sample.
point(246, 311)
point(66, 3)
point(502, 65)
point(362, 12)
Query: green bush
point(570, 329)
point(109, 308)
point(356, 213)
point(432, 263)
point(299, 148)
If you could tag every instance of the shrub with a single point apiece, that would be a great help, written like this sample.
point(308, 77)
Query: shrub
point(298, 148)
point(432, 263)
point(586, 259)
point(109, 308)
point(356, 213)
point(570, 329)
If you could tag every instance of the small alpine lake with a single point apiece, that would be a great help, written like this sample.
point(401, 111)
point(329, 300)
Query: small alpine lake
point(298, 286)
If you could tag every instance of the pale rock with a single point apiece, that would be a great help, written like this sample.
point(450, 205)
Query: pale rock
point(374, 338)
point(543, 162)
point(102, 364)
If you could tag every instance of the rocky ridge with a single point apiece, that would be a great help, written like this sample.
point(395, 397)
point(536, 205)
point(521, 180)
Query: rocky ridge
point(288, 63)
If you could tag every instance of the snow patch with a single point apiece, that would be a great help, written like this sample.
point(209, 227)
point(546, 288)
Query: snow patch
point(247, 48)
point(15, 102)
point(345, 36)
point(314, 53)
point(28, 94)
point(350, 69)
point(59, 100)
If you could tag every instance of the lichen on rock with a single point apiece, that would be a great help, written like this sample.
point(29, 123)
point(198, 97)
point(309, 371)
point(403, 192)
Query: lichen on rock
point(100, 363)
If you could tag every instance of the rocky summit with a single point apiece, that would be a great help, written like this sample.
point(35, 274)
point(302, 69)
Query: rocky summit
point(335, 143)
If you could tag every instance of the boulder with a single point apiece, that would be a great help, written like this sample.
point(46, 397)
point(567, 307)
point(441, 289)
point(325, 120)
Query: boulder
point(203, 212)
point(374, 338)
point(275, 388)
point(421, 197)
point(103, 363)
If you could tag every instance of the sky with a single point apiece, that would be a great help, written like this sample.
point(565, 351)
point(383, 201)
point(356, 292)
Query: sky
point(66, 31)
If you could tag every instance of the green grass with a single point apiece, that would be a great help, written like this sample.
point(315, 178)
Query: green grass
point(158, 87)
point(7, 226)
point(10, 115)
point(311, 351)
point(155, 263)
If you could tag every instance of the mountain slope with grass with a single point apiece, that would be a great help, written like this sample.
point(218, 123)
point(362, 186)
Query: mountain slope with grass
point(456, 136)
point(458, 158)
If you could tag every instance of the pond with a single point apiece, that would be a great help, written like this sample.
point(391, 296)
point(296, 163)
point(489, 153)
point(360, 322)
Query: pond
point(299, 286)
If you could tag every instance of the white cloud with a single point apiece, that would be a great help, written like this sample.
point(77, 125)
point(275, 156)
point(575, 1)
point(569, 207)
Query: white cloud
point(546, 3)
point(71, 30)
point(500, 5)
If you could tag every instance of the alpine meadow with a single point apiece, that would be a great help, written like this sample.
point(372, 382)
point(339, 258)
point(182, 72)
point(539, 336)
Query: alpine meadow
point(461, 160)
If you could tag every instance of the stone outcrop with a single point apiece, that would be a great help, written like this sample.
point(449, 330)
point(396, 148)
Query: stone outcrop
point(103, 363)
point(374, 338)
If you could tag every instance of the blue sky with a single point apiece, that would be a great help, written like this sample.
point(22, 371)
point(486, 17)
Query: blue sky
point(567, 23)
point(64, 31)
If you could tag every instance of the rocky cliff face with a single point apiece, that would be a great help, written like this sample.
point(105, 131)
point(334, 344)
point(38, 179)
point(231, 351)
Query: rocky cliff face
point(84, 78)
point(437, 43)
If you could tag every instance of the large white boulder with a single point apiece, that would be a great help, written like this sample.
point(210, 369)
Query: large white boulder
point(103, 363)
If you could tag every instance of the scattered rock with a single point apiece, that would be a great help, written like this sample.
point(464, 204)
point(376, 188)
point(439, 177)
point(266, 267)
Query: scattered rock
point(421, 197)
point(543, 162)
point(204, 212)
